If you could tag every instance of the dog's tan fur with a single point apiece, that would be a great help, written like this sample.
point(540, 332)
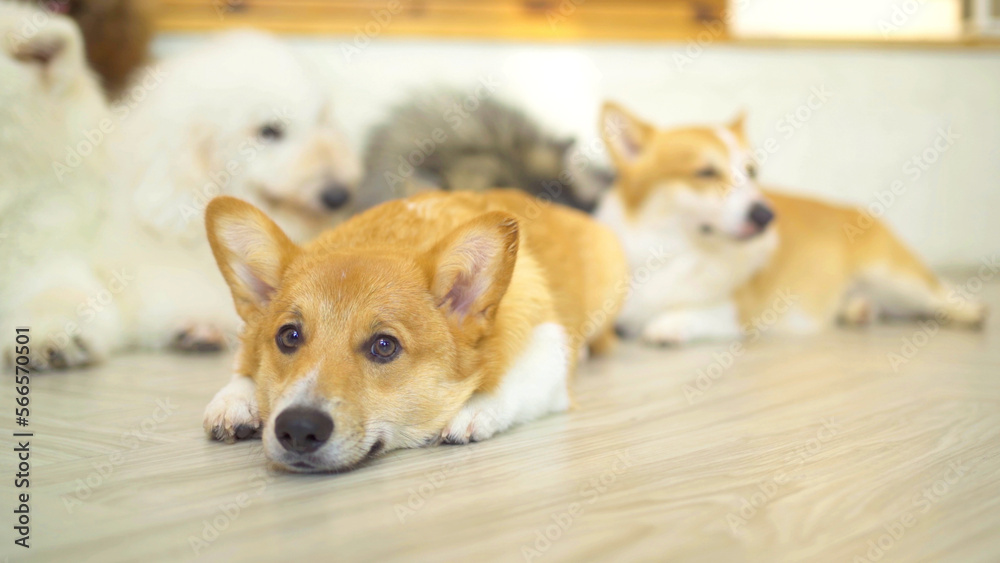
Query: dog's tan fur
point(818, 258)
point(810, 250)
point(461, 280)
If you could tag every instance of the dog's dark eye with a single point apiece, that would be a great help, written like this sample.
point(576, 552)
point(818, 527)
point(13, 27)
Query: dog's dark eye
point(271, 132)
point(288, 339)
point(707, 172)
point(752, 171)
point(384, 348)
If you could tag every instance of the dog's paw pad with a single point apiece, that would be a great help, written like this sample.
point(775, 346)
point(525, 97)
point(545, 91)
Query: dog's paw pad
point(245, 431)
point(858, 312)
point(233, 414)
point(668, 330)
point(972, 315)
point(53, 354)
point(663, 337)
point(472, 424)
point(199, 337)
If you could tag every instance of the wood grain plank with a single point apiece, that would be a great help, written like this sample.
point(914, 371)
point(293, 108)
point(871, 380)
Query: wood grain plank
point(808, 448)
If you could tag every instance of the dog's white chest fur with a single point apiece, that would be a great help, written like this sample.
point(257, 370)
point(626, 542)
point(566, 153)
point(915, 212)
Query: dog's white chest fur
point(670, 272)
point(534, 386)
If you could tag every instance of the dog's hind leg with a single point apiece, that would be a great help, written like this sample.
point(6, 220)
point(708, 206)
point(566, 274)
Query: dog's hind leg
point(899, 294)
point(900, 286)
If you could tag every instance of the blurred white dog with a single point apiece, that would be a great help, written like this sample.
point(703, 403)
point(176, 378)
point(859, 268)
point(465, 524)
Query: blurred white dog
point(53, 191)
point(240, 115)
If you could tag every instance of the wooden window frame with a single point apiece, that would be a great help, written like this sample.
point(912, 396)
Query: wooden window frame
point(541, 20)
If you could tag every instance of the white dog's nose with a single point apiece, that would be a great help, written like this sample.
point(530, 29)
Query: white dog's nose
point(335, 196)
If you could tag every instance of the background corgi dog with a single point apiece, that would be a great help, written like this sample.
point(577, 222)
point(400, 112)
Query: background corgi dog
point(734, 259)
point(444, 316)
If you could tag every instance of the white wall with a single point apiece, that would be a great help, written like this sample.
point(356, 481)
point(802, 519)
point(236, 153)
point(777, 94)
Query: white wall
point(878, 19)
point(886, 107)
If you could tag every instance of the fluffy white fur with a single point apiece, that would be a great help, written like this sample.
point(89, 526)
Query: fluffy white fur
point(241, 115)
point(125, 261)
point(536, 385)
point(53, 191)
point(698, 305)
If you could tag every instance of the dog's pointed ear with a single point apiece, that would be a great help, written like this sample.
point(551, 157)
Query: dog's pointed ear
point(625, 135)
point(251, 250)
point(473, 266)
point(738, 125)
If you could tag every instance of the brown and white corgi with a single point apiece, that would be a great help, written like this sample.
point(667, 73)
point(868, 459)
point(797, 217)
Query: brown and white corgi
point(441, 317)
point(738, 259)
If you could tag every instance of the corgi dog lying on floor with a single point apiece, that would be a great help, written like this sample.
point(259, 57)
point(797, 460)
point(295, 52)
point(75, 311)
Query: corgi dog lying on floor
point(441, 317)
point(740, 260)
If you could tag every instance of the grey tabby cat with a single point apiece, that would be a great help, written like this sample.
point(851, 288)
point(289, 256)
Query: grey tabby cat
point(445, 139)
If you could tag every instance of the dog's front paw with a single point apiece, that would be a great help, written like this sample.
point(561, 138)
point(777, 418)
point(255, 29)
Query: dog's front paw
point(477, 421)
point(666, 331)
point(77, 352)
point(233, 414)
point(56, 351)
point(199, 337)
point(858, 311)
point(59, 341)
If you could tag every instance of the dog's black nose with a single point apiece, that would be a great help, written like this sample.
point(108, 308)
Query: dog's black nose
point(761, 215)
point(334, 196)
point(303, 430)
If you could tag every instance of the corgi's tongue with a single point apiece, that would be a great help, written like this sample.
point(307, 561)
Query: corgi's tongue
point(748, 231)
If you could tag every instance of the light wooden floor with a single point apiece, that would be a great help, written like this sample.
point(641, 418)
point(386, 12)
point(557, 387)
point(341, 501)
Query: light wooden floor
point(802, 449)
